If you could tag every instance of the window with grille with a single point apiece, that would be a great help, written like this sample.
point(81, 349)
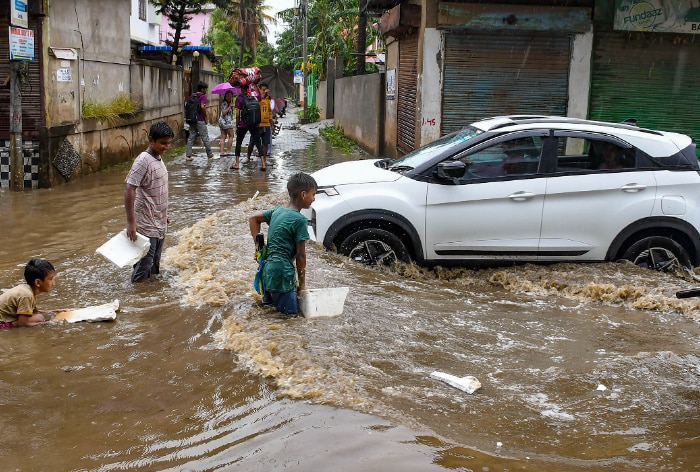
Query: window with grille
point(142, 9)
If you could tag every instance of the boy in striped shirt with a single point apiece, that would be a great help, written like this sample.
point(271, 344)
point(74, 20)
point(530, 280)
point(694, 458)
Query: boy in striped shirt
point(146, 199)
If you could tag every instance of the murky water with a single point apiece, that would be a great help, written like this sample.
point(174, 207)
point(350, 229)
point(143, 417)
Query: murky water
point(583, 367)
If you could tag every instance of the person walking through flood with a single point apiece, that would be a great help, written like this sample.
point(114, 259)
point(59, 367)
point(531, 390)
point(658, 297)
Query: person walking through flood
point(200, 128)
point(286, 245)
point(146, 199)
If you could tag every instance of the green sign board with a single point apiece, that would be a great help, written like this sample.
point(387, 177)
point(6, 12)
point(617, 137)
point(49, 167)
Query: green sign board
point(662, 16)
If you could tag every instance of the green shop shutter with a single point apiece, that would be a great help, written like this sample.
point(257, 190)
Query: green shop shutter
point(491, 73)
point(652, 77)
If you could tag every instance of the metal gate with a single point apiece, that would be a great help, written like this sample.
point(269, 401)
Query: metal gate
point(407, 86)
point(652, 77)
point(501, 73)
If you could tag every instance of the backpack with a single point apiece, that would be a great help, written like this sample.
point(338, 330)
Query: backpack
point(250, 111)
point(192, 109)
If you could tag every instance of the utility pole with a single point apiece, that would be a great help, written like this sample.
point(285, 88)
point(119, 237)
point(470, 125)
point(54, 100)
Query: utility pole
point(16, 153)
point(306, 63)
point(361, 37)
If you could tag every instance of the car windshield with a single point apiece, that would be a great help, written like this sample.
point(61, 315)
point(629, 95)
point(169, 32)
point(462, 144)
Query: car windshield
point(421, 155)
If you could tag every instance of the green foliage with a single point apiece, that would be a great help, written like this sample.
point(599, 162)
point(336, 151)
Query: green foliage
point(313, 113)
point(332, 33)
point(110, 112)
point(224, 38)
point(336, 136)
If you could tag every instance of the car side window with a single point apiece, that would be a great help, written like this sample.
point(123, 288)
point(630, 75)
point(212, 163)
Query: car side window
point(583, 154)
point(515, 157)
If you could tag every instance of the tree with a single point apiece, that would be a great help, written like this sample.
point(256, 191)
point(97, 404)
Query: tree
point(247, 19)
point(333, 33)
point(179, 13)
point(226, 44)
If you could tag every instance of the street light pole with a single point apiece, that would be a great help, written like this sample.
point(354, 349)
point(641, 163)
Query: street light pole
point(306, 62)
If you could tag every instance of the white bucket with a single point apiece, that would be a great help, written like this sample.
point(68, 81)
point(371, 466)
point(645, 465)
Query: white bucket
point(317, 302)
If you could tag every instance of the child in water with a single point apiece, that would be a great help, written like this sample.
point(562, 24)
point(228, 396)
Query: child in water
point(146, 199)
point(287, 236)
point(18, 305)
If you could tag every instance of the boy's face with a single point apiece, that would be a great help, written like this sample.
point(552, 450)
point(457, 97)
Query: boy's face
point(161, 145)
point(307, 197)
point(45, 284)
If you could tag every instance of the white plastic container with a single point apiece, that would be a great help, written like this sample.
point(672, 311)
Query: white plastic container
point(318, 302)
point(122, 251)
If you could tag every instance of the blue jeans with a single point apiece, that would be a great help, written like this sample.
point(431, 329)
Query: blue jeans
point(285, 302)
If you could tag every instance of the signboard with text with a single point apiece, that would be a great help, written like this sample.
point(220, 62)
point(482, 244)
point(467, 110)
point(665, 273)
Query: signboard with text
point(662, 16)
point(298, 76)
point(21, 44)
point(18, 13)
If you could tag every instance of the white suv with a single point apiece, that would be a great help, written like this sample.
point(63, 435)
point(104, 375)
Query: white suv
point(519, 188)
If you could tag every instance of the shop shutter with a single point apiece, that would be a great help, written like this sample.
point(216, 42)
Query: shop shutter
point(502, 73)
point(32, 111)
point(652, 77)
point(406, 101)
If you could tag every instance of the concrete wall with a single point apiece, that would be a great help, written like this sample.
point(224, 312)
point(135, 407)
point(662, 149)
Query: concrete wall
point(430, 84)
point(99, 36)
point(90, 145)
point(98, 67)
point(359, 109)
point(580, 75)
point(322, 98)
point(390, 109)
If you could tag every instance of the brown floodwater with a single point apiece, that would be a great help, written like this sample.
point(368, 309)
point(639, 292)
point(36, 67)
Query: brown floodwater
point(582, 367)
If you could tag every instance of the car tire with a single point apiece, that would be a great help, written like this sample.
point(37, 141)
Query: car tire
point(374, 247)
point(658, 253)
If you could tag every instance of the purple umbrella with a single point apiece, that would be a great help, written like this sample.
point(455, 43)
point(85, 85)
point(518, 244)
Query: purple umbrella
point(224, 87)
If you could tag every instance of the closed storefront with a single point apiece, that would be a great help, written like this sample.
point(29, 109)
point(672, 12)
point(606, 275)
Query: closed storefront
point(407, 86)
point(651, 77)
point(30, 80)
point(490, 73)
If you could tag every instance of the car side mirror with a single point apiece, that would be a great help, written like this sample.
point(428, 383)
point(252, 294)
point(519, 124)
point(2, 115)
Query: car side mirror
point(451, 170)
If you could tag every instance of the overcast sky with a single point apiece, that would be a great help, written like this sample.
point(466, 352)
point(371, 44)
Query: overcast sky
point(277, 5)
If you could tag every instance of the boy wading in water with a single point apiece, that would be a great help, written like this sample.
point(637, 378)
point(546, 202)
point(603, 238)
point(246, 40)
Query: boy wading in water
point(146, 199)
point(286, 245)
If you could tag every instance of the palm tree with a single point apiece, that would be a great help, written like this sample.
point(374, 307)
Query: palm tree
point(247, 18)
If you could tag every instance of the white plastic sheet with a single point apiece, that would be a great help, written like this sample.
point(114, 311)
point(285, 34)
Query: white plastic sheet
point(122, 251)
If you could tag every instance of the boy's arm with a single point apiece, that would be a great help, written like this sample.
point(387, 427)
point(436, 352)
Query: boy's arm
point(255, 222)
point(25, 321)
point(129, 198)
point(301, 264)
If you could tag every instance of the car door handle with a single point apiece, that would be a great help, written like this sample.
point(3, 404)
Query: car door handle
point(521, 196)
point(633, 188)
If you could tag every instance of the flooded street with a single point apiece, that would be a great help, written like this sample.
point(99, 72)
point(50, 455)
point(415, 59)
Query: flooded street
point(583, 367)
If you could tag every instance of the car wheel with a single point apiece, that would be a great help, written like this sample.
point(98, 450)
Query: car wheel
point(658, 253)
point(375, 247)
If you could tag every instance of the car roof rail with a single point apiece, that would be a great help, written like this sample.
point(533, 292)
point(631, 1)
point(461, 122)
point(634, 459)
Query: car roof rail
point(628, 124)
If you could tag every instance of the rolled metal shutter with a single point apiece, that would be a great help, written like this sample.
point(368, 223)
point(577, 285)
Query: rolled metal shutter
point(407, 86)
point(501, 73)
point(32, 110)
point(652, 77)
